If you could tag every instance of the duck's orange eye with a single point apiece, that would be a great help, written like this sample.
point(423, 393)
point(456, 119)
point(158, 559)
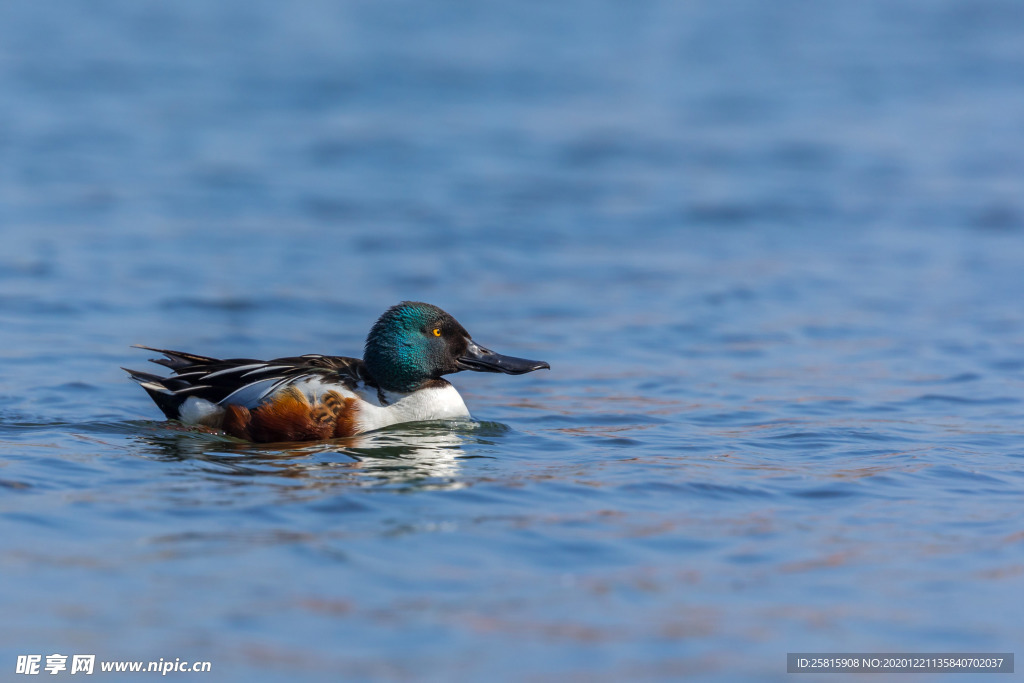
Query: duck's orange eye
point(437, 331)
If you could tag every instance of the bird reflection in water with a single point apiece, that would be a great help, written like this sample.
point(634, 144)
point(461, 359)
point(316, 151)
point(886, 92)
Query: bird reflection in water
point(422, 455)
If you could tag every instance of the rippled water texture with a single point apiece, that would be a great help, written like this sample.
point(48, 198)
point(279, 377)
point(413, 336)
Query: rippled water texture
point(773, 252)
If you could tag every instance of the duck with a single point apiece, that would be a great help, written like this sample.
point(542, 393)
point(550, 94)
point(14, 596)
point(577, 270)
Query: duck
point(314, 397)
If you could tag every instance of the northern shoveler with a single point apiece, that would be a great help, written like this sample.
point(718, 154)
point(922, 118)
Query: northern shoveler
point(313, 397)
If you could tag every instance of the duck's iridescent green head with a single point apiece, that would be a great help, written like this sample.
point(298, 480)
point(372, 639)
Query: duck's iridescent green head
point(414, 343)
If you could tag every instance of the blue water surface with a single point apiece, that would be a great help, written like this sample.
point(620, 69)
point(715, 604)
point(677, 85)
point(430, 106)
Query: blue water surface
point(774, 253)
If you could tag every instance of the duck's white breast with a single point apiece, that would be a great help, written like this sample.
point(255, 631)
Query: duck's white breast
point(434, 403)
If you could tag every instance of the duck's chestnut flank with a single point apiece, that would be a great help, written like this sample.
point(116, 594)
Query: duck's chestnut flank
point(313, 397)
point(290, 416)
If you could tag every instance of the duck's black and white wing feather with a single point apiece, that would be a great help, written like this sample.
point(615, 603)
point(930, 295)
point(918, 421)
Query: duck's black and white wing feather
point(240, 381)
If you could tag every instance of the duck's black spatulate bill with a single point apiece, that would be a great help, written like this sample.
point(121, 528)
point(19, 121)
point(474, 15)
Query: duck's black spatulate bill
point(480, 359)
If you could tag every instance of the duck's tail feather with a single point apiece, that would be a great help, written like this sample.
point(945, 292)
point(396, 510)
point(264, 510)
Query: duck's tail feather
point(175, 360)
point(164, 391)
